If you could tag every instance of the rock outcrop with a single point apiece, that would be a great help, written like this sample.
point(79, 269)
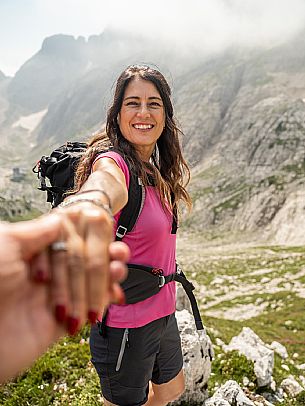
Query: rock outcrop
point(249, 344)
point(229, 394)
point(270, 392)
point(197, 353)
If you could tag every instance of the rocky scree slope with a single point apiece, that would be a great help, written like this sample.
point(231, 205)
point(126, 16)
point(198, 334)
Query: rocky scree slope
point(246, 143)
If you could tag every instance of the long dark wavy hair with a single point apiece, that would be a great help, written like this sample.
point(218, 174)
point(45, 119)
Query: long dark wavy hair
point(167, 165)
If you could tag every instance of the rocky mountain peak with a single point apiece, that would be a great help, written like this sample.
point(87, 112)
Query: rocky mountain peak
point(63, 46)
point(58, 63)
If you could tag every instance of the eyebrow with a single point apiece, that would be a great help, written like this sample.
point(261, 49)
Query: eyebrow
point(137, 97)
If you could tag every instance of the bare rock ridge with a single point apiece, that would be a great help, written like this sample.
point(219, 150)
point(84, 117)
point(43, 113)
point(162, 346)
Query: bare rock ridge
point(59, 62)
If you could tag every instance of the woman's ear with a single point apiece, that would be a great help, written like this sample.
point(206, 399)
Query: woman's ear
point(118, 119)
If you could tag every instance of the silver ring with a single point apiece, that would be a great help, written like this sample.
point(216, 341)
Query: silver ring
point(59, 246)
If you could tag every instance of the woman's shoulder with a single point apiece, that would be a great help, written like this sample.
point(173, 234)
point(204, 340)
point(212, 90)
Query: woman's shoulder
point(117, 158)
point(114, 155)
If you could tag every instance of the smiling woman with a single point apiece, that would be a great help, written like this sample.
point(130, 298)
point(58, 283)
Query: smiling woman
point(136, 350)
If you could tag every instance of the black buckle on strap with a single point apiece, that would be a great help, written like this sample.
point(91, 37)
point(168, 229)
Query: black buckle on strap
point(121, 231)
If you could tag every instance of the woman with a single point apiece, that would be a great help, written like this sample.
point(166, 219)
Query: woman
point(142, 342)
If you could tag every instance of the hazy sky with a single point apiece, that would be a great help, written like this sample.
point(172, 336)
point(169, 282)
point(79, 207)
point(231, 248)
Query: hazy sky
point(200, 25)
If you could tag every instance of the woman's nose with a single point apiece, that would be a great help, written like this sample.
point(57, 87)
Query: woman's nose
point(143, 110)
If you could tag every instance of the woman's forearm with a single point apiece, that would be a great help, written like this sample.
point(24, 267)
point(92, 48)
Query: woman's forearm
point(110, 179)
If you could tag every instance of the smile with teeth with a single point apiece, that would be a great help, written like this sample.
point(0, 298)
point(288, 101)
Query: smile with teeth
point(143, 126)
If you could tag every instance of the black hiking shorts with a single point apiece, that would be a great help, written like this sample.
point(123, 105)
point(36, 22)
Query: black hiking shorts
point(127, 359)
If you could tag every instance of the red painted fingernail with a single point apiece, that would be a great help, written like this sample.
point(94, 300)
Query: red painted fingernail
point(72, 325)
point(60, 313)
point(92, 316)
point(40, 276)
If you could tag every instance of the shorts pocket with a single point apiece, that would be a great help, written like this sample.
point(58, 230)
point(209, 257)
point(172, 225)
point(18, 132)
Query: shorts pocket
point(98, 346)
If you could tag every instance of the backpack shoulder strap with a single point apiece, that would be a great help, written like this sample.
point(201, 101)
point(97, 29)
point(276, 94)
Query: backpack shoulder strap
point(130, 213)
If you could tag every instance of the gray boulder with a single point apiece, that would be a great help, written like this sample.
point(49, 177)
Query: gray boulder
point(249, 344)
point(229, 394)
point(197, 355)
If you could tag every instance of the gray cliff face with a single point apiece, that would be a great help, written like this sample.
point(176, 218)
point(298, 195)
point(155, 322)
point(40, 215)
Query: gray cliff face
point(242, 113)
point(246, 140)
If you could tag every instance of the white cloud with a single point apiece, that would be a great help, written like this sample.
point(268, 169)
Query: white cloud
point(197, 25)
point(79, 17)
point(214, 24)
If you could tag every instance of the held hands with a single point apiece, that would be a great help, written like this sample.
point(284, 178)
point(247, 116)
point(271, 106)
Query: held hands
point(77, 282)
point(87, 245)
point(88, 222)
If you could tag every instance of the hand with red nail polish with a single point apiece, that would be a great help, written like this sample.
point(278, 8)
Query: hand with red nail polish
point(95, 263)
point(25, 309)
point(27, 282)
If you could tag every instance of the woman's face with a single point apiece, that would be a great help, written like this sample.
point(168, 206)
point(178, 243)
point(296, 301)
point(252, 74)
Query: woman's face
point(142, 117)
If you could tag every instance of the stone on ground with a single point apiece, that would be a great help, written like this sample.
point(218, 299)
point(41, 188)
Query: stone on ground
point(197, 354)
point(249, 344)
point(229, 394)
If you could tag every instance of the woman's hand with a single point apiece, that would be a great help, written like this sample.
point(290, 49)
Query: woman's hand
point(89, 243)
point(82, 279)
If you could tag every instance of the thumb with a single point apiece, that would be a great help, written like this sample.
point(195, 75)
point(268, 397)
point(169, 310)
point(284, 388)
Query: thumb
point(35, 235)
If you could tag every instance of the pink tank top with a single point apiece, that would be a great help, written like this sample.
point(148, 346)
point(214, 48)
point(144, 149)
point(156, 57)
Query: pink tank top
point(151, 243)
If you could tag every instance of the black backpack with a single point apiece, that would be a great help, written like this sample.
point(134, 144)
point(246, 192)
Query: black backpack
point(56, 177)
point(142, 282)
point(58, 169)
